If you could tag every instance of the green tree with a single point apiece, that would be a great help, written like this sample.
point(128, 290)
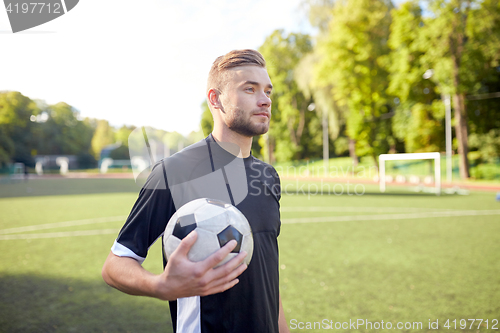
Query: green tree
point(482, 109)
point(462, 39)
point(174, 140)
point(63, 133)
point(323, 104)
point(304, 76)
point(122, 134)
point(6, 147)
point(194, 136)
point(19, 144)
point(289, 108)
point(418, 113)
point(103, 136)
point(319, 13)
point(352, 63)
point(207, 121)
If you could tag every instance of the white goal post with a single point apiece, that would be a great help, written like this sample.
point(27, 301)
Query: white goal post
point(411, 156)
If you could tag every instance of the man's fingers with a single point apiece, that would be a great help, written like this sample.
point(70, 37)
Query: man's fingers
point(225, 276)
point(232, 268)
point(218, 256)
point(224, 286)
point(227, 272)
point(186, 244)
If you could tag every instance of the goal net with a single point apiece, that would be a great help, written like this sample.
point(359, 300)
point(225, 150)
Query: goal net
point(410, 168)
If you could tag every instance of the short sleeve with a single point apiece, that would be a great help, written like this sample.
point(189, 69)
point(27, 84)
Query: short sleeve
point(148, 218)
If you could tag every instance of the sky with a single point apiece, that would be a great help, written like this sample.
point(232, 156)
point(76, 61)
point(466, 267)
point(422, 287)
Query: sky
point(142, 63)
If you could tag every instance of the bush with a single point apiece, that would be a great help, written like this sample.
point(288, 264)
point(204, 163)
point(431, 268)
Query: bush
point(488, 145)
point(487, 171)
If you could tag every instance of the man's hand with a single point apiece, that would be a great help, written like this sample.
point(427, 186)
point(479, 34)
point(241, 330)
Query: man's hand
point(181, 278)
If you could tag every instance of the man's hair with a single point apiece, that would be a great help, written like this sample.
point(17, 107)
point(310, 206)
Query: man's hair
point(217, 75)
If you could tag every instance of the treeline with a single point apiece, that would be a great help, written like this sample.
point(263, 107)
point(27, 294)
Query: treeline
point(379, 76)
point(376, 76)
point(32, 127)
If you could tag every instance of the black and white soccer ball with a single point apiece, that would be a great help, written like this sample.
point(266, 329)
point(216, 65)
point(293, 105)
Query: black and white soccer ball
point(216, 223)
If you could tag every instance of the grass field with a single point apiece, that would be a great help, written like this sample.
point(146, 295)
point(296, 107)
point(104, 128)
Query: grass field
point(396, 257)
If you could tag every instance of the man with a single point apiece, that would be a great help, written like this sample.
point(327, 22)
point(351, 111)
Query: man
point(232, 297)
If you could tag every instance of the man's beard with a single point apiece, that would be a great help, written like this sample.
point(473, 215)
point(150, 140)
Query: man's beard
point(241, 125)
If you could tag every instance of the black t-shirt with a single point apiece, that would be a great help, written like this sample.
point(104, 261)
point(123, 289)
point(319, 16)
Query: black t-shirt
point(207, 170)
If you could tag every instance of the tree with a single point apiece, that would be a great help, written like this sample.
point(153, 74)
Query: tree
point(31, 127)
point(103, 136)
point(321, 95)
point(63, 133)
point(319, 13)
point(418, 113)
point(16, 111)
point(482, 109)
point(121, 136)
point(207, 121)
point(194, 136)
point(288, 122)
point(462, 38)
point(352, 63)
point(328, 113)
point(6, 147)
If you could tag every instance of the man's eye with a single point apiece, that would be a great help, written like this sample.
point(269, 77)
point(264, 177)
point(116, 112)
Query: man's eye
point(250, 89)
point(268, 93)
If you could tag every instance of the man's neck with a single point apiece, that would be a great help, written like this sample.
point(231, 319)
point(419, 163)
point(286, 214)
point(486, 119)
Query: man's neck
point(244, 142)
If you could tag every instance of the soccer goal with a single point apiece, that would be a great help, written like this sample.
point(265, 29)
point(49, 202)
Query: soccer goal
point(413, 156)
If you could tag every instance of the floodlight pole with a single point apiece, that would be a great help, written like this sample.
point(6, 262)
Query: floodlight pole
point(325, 142)
point(447, 104)
point(326, 156)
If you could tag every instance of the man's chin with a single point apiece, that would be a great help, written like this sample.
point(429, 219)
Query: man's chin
point(263, 129)
point(251, 132)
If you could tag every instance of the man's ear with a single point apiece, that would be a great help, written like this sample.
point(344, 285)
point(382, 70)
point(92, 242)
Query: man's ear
point(213, 98)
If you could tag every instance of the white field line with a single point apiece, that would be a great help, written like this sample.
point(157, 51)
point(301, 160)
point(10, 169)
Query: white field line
point(402, 216)
point(62, 224)
point(423, 215)
point(60, 234)
point(362, 209)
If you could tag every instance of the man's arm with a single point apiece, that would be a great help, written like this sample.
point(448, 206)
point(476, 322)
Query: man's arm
point(181, 277)
point(282, 324)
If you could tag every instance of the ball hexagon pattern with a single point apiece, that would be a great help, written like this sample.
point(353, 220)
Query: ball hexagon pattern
point(216, 223)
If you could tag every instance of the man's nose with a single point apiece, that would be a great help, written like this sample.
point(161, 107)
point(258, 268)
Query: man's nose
point(264, 100)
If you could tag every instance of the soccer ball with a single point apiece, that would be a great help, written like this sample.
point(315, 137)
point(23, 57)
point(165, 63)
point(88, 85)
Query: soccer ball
point(216, 223)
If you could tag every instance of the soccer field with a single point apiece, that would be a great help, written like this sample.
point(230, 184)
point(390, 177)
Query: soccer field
point(394, 257)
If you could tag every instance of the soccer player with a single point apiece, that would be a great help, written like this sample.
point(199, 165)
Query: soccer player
point(232, 297)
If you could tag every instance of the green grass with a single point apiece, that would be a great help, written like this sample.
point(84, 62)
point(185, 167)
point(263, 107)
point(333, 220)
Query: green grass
point(394, 270)
point(398, 270)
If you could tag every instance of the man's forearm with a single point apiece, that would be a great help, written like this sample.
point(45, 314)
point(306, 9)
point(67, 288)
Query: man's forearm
point(181, 277)
point(128, 276)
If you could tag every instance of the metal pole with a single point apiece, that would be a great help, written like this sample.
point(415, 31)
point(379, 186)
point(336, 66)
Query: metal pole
point(381, 174)
point(437, 173)
point(447, 104)
point(325, 142)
